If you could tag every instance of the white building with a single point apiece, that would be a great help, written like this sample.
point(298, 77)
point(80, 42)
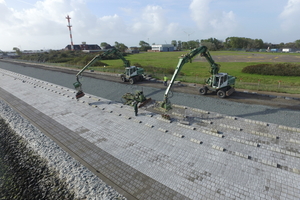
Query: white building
point(286, 50)
point(163, 47)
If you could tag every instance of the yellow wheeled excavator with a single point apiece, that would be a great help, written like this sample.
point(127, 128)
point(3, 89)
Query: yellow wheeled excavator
point(131, 74)
point(221, 83)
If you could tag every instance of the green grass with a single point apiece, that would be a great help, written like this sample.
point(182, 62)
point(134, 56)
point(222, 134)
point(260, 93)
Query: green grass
point(167, 60)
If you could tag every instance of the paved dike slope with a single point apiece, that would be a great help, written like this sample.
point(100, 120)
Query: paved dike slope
point(197, 154)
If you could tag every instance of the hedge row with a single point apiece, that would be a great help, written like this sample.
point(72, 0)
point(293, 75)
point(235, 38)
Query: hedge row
point(70, 57)
point(279, 69)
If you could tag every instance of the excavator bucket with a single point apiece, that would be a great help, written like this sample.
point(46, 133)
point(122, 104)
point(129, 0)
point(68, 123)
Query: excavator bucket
point(79, 94)
point(77, 86)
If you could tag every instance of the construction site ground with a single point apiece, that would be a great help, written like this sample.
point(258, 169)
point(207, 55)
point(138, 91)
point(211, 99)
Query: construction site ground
point(194, 154)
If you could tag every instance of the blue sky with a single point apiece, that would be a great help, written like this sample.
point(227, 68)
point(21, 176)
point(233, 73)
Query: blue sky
point(42, 24)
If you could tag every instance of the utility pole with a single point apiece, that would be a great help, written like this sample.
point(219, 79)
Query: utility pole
point(69, 25)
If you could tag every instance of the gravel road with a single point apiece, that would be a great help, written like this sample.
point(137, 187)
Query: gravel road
point(261, 108)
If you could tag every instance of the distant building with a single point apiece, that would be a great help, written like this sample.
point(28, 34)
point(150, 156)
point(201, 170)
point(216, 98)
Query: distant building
point(286, 50)
point(35, 51)
point(132, 50)
point(274, 50)
point(262, 50)
point(162, 48)
point(12, 54)
point(84, 47)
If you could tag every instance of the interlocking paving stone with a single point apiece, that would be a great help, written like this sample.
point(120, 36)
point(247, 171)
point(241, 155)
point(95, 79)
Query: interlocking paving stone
point(148, 163)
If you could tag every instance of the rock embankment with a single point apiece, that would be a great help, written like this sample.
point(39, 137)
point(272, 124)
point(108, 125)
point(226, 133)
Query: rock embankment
point(38, 168)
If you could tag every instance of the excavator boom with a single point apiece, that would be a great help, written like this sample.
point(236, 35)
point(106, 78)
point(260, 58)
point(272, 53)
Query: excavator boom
point(114, 51)
point(88, 65)
point(219, 82)
point(183, 60)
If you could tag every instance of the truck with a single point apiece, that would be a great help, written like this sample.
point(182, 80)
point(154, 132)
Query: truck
point(220, 83)
point(131, 74)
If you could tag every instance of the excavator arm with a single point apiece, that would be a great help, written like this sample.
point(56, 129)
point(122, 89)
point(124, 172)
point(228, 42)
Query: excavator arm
point(119, 54)
point(214, 67)
point(183, 60)
point(114, 51)
point(97, 57)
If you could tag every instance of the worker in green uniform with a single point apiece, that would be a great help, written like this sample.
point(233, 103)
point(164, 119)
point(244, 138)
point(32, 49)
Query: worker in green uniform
point(135, 104)
point(165, 80)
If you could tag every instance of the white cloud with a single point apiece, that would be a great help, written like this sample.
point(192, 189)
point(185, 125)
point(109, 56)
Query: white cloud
point(211, 22)
point(290, 16)
point(35, 24)
point(6, 14)
point(42, 25)
point(200, 12)
point(152, 21)
point(45, 25)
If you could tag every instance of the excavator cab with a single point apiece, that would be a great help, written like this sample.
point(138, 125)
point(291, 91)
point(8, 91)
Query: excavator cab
point(130, 70)
point(217, 81)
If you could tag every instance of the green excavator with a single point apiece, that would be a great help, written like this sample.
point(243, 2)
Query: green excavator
point(138, 97)
point(221, 83)
point(131, 74)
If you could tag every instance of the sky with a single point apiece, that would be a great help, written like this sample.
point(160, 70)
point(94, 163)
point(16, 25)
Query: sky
point(42, 24)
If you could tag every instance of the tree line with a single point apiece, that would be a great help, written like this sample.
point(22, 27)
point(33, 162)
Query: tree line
point(230, 43)
point(213, 44)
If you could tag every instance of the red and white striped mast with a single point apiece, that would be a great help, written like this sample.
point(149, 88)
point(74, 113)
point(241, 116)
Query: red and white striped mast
point(69, 25)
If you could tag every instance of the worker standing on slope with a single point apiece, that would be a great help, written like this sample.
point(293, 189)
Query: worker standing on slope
point(135, 104)
point(165, 80)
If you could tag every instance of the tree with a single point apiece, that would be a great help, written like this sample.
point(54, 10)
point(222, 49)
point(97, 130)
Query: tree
point(209, 45)
point(144, 46)
point(243, 43)
point(212, 43)
point(120, 46)
point(179, 45)
point(174, 43)
point(105, 45)
point(258, 44)
point(297, 43)
point(192, 44)
point(18, 51)
point(184, 45)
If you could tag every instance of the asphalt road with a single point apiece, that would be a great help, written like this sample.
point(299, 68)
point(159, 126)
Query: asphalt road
point(266, 108)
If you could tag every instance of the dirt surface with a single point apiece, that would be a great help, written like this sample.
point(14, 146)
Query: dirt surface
point(279, 100)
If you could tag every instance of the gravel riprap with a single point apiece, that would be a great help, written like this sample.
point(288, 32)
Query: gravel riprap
point(77, 178)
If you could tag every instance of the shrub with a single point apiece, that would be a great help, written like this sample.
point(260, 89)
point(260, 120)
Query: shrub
point(279, 69)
